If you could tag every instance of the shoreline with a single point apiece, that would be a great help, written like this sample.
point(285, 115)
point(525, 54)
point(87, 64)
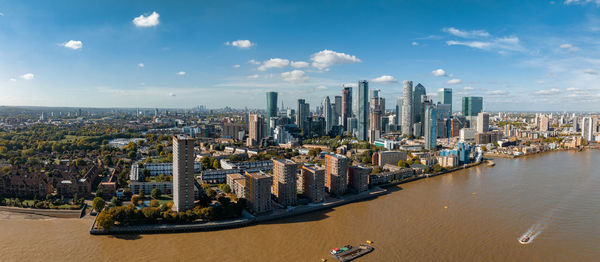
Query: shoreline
point(56, 213)
point(249, 220)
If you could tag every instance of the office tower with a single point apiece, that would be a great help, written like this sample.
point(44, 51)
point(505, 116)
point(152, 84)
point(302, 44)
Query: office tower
point(336, 172)
point(284, 181)
point(346, 106)
point(398, 111)
point(430, 127)
point(483, 122)
point(183, 173)
point(258, 189)
point(271, 111)
point(338, 110)
point(363, 109)
point(313, 183)
point(255, 129)
point(156, 112)
point(472, 105)
point(376, 112)
point(327, 114)
point(588, 128)
point(358, 178)
point(418, 103)
point(544, 124)
point(374, 93)
point(302, 114)
point(407, 104)
point(445, 97)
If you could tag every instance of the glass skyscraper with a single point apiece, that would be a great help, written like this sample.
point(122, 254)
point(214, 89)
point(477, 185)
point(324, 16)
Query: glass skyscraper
point(363, 109)
point(271, 110)
point(430, 127)
point(472, 105)
point(445, 97)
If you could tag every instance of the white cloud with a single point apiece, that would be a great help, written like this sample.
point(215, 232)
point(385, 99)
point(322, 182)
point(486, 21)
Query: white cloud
point(322, 87)
point(274, 63)
point(252, 61)
point(454, 81)
point(236, 66)
point(12, 80)
point(327, 58)
point(468, 88)
point(172, 94)
point(415, 43)
point(73, 44)
point(496, 93)
point(569, 47)
point(181, 73)
point(147, 21)
point(242, 44)
point(573, 89)
point(28, 76)
point(466, 34)
point(582, 2)
point(385, 79)
point(551, 91)
point(590, 71)
point(141, 64)
point(253, 76)
point(294, 76)
point(350, 85)
point(472, 44)
point(299, 64)
point(439, 72)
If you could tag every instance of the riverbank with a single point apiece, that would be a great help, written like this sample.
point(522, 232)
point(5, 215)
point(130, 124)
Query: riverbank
point(248, 220)
point(57, 213)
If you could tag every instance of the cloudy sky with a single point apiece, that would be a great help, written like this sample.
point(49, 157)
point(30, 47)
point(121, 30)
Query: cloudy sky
point(518, 55)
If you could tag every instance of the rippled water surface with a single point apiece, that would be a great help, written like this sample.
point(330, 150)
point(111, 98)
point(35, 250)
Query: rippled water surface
point(471, 215)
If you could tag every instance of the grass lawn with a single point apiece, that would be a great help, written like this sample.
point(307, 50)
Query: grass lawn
point(165, 199)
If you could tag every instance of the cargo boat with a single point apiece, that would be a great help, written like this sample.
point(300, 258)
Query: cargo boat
point(349, 253)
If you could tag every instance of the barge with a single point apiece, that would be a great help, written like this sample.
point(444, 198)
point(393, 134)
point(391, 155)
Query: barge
point(349, 253)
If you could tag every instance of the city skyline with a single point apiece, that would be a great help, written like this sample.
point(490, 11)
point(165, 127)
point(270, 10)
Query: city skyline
point(158, 55)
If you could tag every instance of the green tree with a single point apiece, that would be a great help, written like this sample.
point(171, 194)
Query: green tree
point(105, 220)
point(155, 193)
point(98, 204)
point(127, 193)
point(141, 194)
point(225, 188)
point(135, 199)
point(99, 193)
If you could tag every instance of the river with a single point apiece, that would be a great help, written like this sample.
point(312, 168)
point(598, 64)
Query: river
point(470, 215)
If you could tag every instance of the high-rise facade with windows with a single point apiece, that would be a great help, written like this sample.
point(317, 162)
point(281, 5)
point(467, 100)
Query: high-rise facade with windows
point(284, 181)
point(472, 105)
point(407, 109)
point(363, 109)
point(430, 127)
point(183, 173)
point(271, 111)
point(346, 106)
point(445, 97)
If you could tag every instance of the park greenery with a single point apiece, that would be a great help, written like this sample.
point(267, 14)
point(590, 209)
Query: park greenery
point(50, 202)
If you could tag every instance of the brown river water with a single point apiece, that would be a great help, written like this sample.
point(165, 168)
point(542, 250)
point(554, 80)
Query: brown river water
point(470, 215)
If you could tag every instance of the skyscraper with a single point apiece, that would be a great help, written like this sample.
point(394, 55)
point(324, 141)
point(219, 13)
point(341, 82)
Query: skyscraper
point(377, 109)
point(483, 122)
point(271, 110)
point(301, 114)
point(346, 106)
point(363, 109)
point(471, 105)
point(407, 109)
point(183, 173)
point(337, 110)
point(284, 181)
point(445, 97)
point(430, 127)
point(544, 124)
point(588, 128)
point(255, 129)
point(327, 114)
point(418, 105)
point(399, 111)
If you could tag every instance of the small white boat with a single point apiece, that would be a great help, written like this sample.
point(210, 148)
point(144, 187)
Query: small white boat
point(526, 239)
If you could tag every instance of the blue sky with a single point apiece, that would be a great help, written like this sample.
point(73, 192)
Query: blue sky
point(518, 55)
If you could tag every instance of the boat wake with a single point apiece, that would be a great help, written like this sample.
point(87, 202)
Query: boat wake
point(532, 233)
